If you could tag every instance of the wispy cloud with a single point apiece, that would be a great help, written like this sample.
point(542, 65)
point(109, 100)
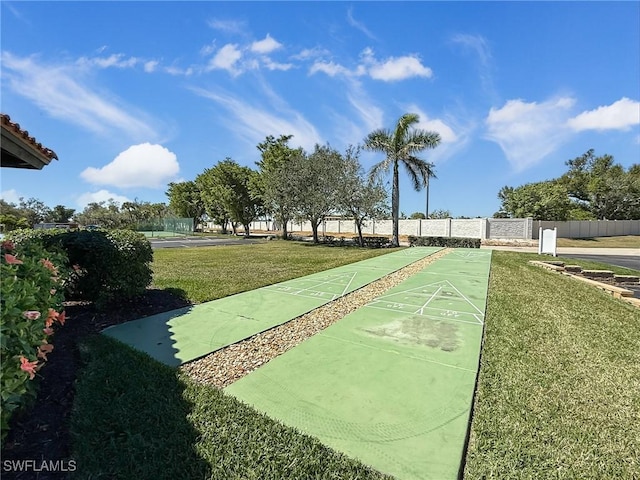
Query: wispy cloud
point(311, 53)
point(60, 91)
point(267, 45)
point(620, 115)
point(253, 123)
point(228, 26)
point(10, 196)
point(85, 199)
point(144, 165)
point(391, 69)
point(529, 131)
point(480, 48)
point(359, 25)
point(226, 59)
point(117, 60)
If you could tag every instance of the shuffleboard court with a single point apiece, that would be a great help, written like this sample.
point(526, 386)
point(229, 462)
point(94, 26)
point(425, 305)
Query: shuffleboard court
point(392, 383)
point(185, 334)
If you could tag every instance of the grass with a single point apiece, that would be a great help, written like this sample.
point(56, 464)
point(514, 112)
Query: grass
point(558, 390)
point(156, 423)
point(591, 265)
point(559, 386)
point(207, 273)
point(626, 241)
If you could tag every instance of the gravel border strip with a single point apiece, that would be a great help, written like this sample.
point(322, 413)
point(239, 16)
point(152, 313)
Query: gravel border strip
point(229, 364)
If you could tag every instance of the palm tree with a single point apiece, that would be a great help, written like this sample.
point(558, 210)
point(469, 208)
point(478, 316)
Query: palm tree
point(401, 146)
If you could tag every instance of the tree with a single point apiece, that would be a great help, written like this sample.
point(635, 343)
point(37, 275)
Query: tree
point(602, 187)
point(417, 216)
point(60, 214)
point(440, 214)
point(360, 197)
point(273, 185)
point(105, 214)
point(229, 183)
point(185, 200)
point(315, 178)
point(401, 147)
point(33, 210)
point(541, 201)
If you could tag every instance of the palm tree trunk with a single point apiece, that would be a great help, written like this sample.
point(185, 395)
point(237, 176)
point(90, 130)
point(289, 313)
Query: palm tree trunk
point(395, 205)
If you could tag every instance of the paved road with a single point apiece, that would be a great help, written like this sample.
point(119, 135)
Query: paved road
point(628, 261)
point(188, 242)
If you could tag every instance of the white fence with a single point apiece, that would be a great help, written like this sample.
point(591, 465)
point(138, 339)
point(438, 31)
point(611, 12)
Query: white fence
point(484, 228)
point(590, 228)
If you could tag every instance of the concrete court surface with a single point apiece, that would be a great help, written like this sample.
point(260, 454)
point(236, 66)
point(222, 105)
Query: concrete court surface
point(392, 383)
point(188, 333)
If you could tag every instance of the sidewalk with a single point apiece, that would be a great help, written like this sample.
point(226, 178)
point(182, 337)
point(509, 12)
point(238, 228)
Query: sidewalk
point(570, 250)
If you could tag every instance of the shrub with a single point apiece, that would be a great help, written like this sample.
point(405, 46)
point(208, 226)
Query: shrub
point(451, 242)
point(105, 264)
point(31, 308)
point(373, 242)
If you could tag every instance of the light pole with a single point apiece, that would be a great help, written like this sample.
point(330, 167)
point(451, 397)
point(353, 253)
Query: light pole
point(427, 212)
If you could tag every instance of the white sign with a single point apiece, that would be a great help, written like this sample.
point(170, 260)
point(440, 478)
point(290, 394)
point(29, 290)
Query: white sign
point(547, 241)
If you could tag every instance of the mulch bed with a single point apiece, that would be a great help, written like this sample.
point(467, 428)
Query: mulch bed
point(41, 433)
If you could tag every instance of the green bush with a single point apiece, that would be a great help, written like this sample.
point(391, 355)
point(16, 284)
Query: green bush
point(105, 265)
point(31, 308)
point(373, 242)
point(450, 242)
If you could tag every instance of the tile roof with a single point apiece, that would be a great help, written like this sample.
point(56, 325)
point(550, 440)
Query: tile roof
point(14, 128)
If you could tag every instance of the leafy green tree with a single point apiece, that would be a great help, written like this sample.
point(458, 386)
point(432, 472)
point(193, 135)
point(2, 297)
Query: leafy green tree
point(541, 200)
point(602, 187)
point(439, 214)
point(315, 178)
point(60, 214)
point(417, 216)
point(229, 183)
point(401, 146)
point(274, 182)
point(185, 200)
point(34, 210)
point(105, 214)
point(359, 196)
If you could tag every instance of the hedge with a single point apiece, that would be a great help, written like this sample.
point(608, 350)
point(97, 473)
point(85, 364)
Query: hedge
point(451, 242)
point(31, 310)
point(104, 265)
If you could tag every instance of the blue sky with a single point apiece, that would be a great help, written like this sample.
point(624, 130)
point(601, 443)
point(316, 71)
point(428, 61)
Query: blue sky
point(132, 96)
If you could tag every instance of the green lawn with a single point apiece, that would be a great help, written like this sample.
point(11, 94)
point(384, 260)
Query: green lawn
point(625, 241)
point(558, 392)
point(207, 273)
point(559, 386)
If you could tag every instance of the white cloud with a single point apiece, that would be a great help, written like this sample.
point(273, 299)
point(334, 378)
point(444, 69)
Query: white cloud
point(330, 68)
point(58, 89)
point(480, 47)
point(10, 196)
point(268, 45)
point(620, 115)
point(309, 53)
point(528, 132)
point(359, 25)
point(228, 26)
point(100, 196)
point(226, 59)
point(271, 65)
point(254, 124)
point(390, 70)
point(151, 66)
point(116, 60)
point(399, 68)
point(144, 165)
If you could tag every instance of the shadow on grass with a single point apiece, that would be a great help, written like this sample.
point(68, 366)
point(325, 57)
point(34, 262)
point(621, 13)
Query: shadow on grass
point(130, 417)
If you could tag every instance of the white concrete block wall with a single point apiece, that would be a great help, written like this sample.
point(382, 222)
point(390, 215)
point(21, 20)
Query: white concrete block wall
point(463, 228)
point(590, 228)
point(509, 228)
point(436, 227)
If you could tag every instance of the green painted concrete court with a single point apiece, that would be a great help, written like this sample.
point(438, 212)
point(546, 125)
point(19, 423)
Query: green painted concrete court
point(183, 335)
point(391, 384)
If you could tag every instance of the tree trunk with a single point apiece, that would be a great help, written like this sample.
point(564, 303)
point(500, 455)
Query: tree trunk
point(395, 205)
point(314, 226)
point(284, 220)
point(246, 229)
point(359, 227)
